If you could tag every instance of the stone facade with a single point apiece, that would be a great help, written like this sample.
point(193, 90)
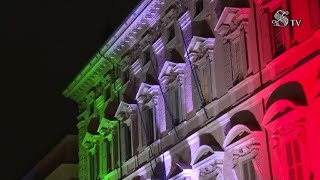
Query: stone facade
point(203, 89)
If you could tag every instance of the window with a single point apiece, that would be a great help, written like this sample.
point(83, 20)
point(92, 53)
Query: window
point(294, 160)
point(173, 101)
point(171, 33)
point(92, 168)
point(107, 93)
point(147, 56)
point(199, 7)
point(206, 84)
point(278, 41)
point(228, 65)
point(249, 172)
point(94, 164)
point(204, 74)
point(115, 145)
point(91, 109)
point(148, 119)
point(278, 38)
point(237, 74)
point(126, 76)
point(108, 156)
point(126, 143)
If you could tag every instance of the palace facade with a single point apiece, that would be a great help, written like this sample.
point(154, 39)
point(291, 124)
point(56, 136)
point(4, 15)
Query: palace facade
point(202, 90)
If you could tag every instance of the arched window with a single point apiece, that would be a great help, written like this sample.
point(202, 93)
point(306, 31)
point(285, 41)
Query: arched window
point(286, 128)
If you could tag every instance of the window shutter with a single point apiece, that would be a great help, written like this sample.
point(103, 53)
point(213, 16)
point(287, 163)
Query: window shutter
point(266, 44)
point(243, 54)
point(108, 156)
point(252, 171)
point(144, 127)
point(135, 138)
point(227, 65)
point(195, 94)
point(297, 152)
point(128, 142)
point(206, 82)
point(151, 125)
point(289, 154)
point(97, 157)
point(245, 171)
point(115, 147)
point(103, 155)
point(123, 144)
point(236, 63)
point(176, 97)
point(168, 110)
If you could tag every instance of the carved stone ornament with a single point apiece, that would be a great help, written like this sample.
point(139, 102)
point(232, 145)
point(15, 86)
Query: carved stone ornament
point(245, 150)
point(212, 170)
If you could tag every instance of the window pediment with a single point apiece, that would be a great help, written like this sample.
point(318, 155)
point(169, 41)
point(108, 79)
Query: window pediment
point(89, 140)
point(106, 126)
point(125, 110)
point(146, 92)
point(199, 46)
point(230, 19)
point(170, 69)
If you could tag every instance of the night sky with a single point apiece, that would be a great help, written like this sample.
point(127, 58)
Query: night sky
point(44, 45)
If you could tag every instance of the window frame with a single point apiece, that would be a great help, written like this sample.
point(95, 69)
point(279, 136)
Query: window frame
point(290, 138)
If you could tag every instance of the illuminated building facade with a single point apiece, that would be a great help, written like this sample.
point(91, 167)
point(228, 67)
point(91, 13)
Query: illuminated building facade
point(203, 89)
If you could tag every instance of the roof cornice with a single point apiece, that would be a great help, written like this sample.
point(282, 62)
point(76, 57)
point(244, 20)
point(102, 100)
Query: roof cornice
point(145, 15)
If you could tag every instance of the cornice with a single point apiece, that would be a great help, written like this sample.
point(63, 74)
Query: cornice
point(145, 16)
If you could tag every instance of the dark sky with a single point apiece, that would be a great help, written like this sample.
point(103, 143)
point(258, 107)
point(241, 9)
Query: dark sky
point(44, 45)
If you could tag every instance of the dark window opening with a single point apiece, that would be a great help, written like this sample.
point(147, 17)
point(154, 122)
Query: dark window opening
point(147, 56)
point(202, 29)
point(149, 126)
point(91, 109)
point(176, 103)
point(171, 33)
point(199, 7)
point(109, 157)
point(279, 47)
point(107, 93)
point(126, 76)
point(127, 135)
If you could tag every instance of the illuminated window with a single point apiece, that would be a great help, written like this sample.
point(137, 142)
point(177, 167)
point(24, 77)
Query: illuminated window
point(278, 38)
point(294, 160)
